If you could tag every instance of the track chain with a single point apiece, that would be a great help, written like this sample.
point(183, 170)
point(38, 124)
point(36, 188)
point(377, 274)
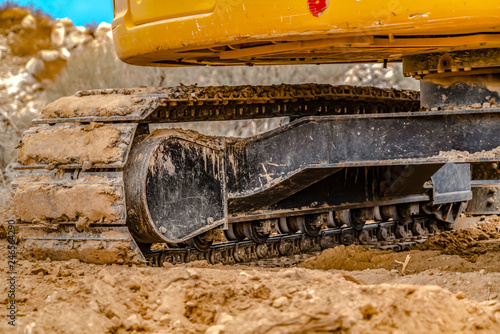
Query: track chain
point(192, 103)
point(379, 235)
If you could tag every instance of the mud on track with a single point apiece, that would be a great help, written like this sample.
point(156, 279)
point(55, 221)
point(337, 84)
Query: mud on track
point(450, 285)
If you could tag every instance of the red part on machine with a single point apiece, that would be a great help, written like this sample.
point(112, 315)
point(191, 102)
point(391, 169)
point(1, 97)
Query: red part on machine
point(317, 7)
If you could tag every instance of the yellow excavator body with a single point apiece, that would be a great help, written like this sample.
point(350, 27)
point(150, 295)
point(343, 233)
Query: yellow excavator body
point(248, 32)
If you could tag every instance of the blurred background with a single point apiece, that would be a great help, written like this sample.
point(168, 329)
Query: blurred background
point(50, 49)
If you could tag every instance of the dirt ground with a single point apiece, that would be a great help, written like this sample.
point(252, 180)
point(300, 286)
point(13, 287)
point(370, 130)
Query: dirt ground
point(450, 285)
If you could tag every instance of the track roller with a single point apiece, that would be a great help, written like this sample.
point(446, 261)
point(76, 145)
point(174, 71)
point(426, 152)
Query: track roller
point(289, 225)
point(234, 232)
point(259, 231)
point(202, 242)
point(359, 217)
point(312, 224)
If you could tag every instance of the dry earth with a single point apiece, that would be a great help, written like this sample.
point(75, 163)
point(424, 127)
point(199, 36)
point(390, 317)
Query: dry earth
point(451, 285)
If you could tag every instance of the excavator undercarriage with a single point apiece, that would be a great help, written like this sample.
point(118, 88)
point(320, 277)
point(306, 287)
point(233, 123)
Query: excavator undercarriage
point(95, 183)
point(99, 181)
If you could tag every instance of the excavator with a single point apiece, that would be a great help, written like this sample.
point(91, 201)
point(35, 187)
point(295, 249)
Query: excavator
point(98, 180)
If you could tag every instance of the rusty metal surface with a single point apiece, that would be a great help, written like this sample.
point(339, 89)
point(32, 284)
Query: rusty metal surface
point(451, 62)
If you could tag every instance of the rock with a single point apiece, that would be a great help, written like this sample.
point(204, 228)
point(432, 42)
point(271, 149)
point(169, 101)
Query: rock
point(39, 270)
point(215, 329)
point(67, 23)
point(483, 236)
point(35, 66)
point(29, 22)
point(102, 30)
point(76, 38)
point(134, 322)
point(58, 34)
point(64, 54)
point(224, 318)
point(460, 295)
point(49, 55)
point(281, 301)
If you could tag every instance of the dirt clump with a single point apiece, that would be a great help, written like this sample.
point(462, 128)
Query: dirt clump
point(56, 202)
point(469, 243)
point(75, 144)
point(480, 286)
point(362, 258)
point(472, 249)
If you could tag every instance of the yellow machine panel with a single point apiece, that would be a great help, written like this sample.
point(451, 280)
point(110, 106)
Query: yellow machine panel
point(237, 32)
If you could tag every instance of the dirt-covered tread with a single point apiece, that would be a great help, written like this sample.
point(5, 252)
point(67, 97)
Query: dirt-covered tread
point(193, 103)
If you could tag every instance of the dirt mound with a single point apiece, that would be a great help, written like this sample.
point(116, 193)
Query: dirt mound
point(119, 299)
point(480, 286)
point(469, 243)
point(472, 249)
point(373, 296)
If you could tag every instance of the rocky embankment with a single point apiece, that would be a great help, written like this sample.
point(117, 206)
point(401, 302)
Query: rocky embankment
point(34, 49)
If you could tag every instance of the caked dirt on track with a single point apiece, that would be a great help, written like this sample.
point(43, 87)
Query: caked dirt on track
point(348, 290)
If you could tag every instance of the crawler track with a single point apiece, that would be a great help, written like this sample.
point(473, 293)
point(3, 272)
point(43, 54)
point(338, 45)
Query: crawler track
point(192, 103)
point(380, 235)
point(87, 144)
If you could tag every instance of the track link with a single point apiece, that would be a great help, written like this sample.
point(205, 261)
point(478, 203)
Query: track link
point(192, 103)
point(377, 235)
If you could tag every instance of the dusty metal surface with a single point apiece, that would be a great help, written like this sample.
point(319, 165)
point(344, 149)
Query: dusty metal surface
point(174, 186)
point(471, 91)
point(486, 198)
point(180, 185)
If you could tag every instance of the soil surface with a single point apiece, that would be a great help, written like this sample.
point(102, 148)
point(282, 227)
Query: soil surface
point(449, 285)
